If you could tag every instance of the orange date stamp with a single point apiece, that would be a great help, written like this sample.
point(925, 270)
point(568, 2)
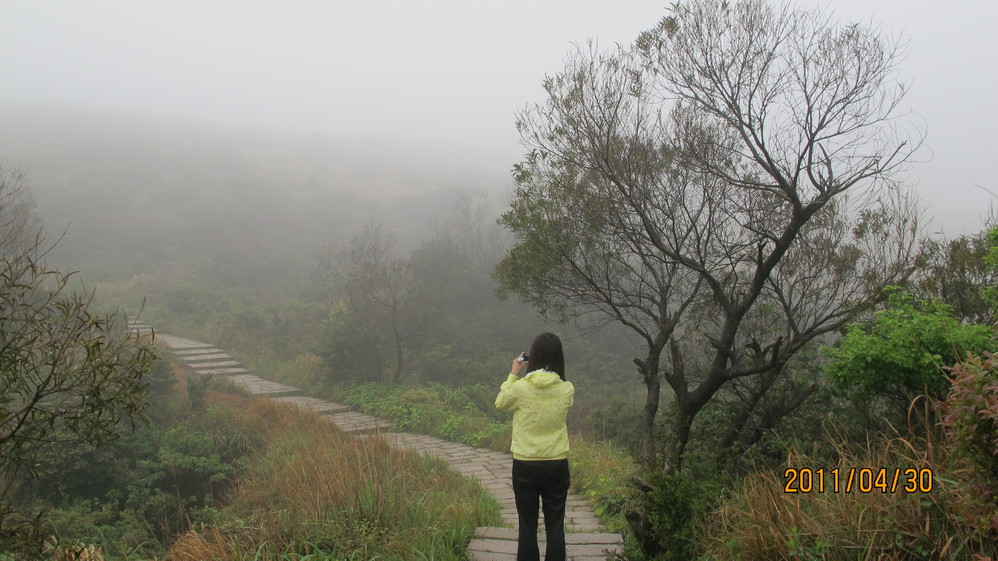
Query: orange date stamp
point(861, 480)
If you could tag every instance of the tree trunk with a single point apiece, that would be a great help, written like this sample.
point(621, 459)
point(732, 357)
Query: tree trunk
point(648, 418)
point(649, 371)
point(681, 428)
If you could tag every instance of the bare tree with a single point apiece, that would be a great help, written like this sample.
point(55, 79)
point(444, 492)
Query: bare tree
point(377, 286)
point(723, 188)
point(20, 228)
point(471, 227)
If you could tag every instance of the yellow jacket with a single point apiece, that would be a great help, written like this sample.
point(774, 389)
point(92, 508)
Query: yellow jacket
point(539, 402)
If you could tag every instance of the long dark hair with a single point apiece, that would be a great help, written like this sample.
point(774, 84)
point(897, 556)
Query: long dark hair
point(546, 353)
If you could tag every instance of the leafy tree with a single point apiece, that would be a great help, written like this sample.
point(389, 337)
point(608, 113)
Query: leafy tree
point(67, 374)
point(958, 273)
point(723, 188)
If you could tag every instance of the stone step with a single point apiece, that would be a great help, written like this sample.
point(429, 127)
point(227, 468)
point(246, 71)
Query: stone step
point(213, 356)
point(194, 352)
point(499, 544)
point(258, 386)
point(181, 343)
point(315, 404)
point(216, 364)
point(223, 371)
point(352, 422)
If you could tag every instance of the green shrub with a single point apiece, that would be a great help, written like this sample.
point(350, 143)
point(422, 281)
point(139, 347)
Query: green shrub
point(904, 348)
point(667, 516)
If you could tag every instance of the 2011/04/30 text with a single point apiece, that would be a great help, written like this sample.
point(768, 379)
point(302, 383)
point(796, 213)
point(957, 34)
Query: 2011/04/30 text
point(863, 480)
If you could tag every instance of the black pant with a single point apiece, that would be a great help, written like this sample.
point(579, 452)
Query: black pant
point(547, 480)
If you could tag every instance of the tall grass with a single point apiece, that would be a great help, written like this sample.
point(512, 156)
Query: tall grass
point(313, 493)
point(762, 521)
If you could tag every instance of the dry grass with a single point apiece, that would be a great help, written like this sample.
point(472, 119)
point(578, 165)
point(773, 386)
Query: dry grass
point(204, 545)
point(312, 490)
point(763, 522)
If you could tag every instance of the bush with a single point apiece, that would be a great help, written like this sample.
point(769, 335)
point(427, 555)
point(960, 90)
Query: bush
point(902, 351)
point(667, 514)
point(970, 424)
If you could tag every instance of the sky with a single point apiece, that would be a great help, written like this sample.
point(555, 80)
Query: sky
point(449, 72)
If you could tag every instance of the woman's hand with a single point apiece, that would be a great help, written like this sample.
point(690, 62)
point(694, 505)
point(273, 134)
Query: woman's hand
point(517, 365)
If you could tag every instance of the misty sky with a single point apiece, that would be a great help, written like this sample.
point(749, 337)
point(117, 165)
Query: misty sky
point(452, 72)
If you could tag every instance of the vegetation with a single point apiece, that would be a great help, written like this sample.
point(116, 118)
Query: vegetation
point(253, 481)
point(68, 375)
point(902, 349)
point(309, 491)
point(751, 251)
point(381, 302)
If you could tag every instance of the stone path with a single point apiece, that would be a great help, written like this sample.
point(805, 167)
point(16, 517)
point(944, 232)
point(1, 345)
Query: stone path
point(587, 539)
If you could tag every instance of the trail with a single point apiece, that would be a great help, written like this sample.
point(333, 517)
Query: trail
point(586, 537)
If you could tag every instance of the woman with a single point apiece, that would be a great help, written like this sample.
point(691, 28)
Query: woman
point(539, 402)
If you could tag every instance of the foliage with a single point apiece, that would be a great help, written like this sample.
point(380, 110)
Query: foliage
point(960, 273)
point(666, 510)
point(67, 373)
point(603, 473)
point(722, 185)
point(178, 478)
point(990, 291)
point(134, 494)
point(970, 424)
point(150, 486)
point(903, 348)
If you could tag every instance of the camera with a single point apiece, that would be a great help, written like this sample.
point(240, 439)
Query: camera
point(524, 358)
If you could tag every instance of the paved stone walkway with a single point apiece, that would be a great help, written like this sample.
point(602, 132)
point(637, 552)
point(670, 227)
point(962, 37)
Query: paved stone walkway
point(587, 539)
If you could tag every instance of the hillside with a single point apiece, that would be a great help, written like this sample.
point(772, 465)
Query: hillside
point(138, 195)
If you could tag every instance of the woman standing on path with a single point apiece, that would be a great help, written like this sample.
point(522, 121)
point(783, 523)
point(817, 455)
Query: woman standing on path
point(539, 402)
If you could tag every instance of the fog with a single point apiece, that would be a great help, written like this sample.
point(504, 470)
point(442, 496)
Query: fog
point(398, 98)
